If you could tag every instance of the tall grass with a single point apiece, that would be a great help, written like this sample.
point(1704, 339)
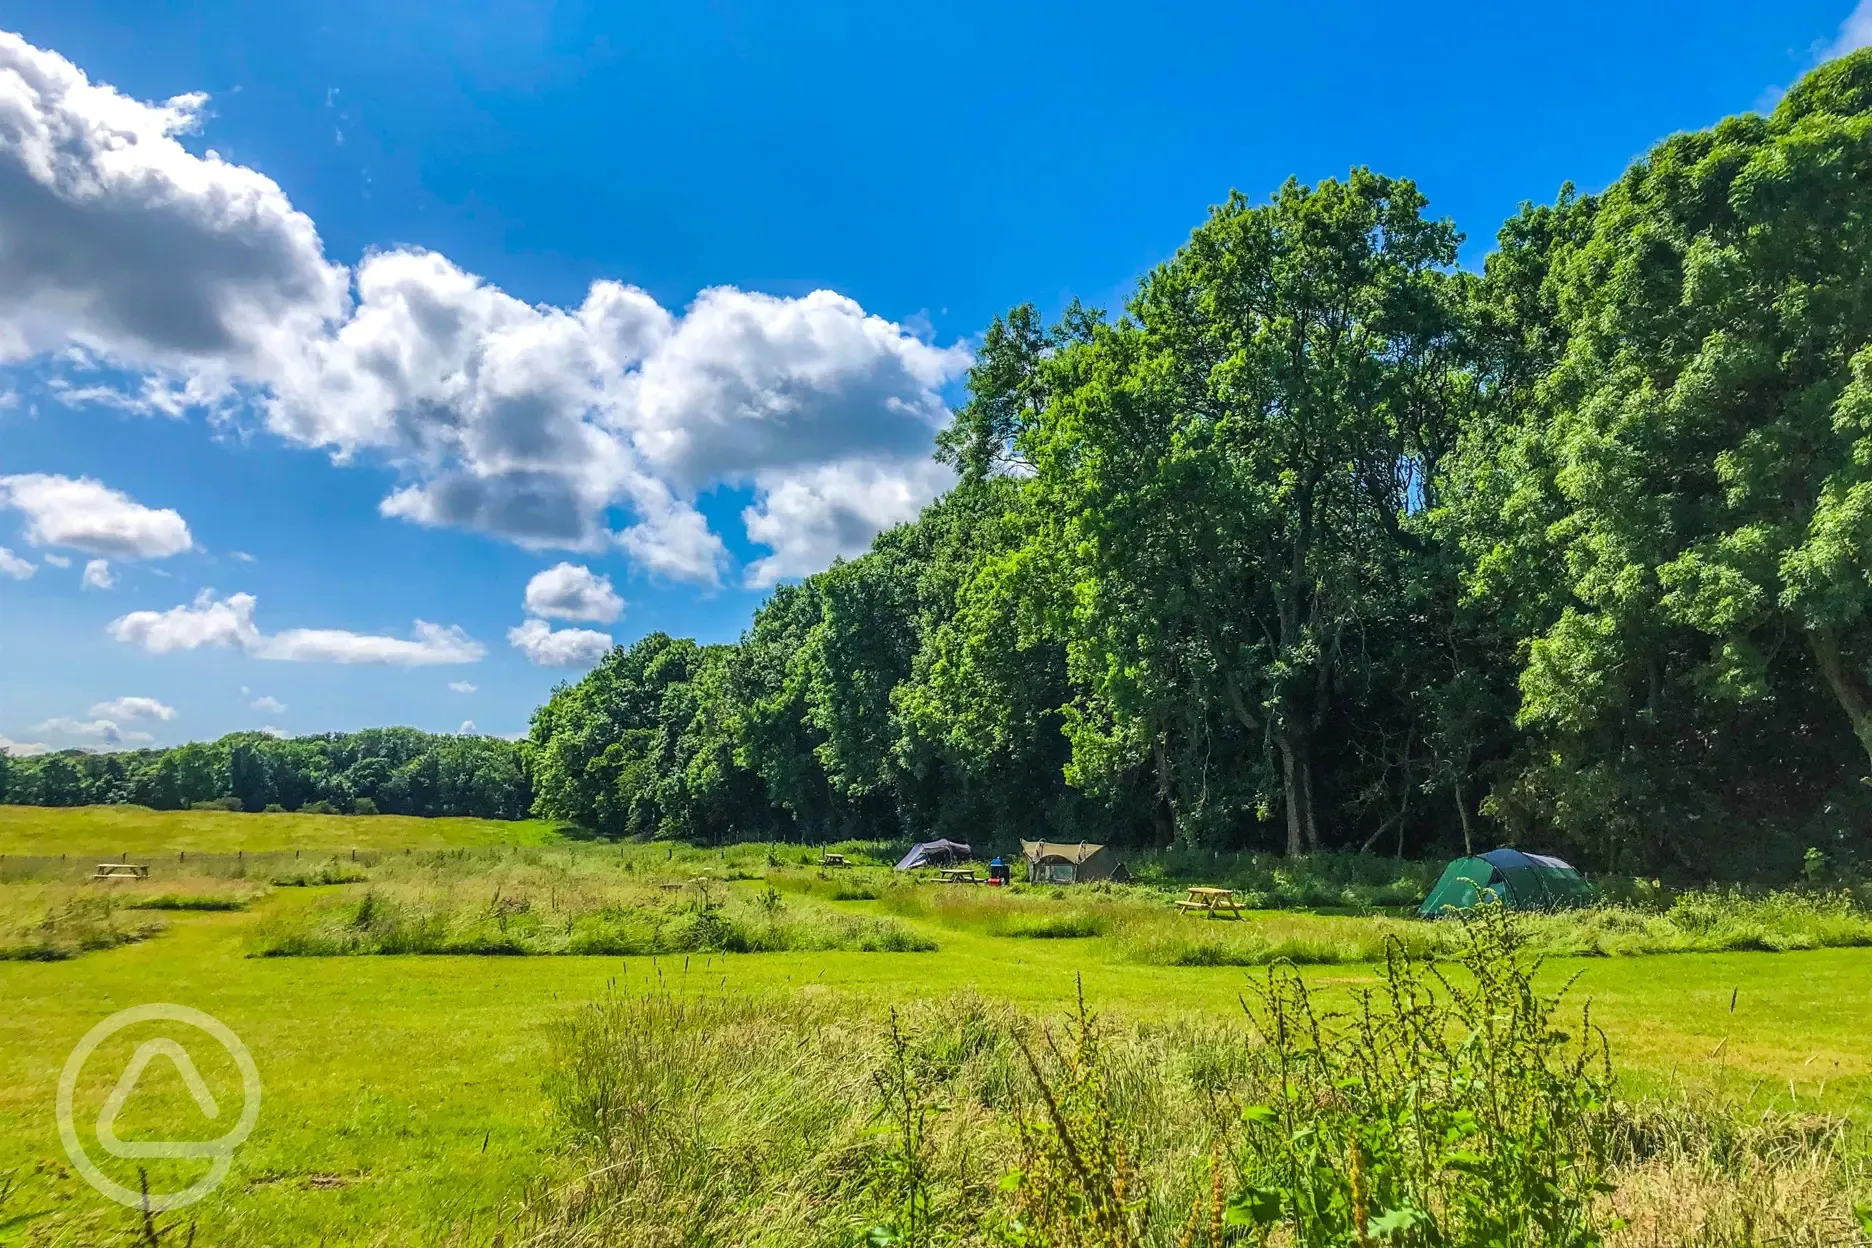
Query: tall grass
point(553, 902)
point(1707, 922)
point(1451, 1111)
point(1310, 881)
point(54, 924)
point(1142, 925)
point(1010, 913)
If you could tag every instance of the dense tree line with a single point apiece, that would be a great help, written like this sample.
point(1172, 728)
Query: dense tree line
point(1325, 542)
point(381, 770)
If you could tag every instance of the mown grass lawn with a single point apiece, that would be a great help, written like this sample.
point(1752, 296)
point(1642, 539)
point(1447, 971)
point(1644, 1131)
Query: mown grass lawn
point(403, 1102)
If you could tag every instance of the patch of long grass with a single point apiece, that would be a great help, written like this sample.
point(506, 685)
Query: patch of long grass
point(189, 901)
point(1357, 882)
point(1438, 1111)
point(1702, 922)
point(58, 924)
point(1008, 913)
point(321, 875)
point(537, 902)
point(1142, 925)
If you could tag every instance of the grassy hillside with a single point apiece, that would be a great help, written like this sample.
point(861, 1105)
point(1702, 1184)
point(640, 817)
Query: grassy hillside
point(114, 831)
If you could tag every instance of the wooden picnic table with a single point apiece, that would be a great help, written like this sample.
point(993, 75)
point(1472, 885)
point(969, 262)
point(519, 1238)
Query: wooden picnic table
point(960, 875)
point(1212, 901)
point(121, 871)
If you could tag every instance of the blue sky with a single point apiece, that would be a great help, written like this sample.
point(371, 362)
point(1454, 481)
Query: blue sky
point(429, 324)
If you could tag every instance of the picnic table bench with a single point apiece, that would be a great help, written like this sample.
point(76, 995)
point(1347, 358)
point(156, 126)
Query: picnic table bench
point(960, 875)
point(1212, 901)
point(121, 871)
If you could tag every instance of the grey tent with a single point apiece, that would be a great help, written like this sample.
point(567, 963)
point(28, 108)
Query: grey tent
point(933, 852)
point(1051, 863)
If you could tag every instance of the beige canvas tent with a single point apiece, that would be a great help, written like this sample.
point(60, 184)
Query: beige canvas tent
point(1049, 863)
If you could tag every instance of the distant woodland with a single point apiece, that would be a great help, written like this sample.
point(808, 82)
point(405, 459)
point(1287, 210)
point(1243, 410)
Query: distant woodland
point(392, 771)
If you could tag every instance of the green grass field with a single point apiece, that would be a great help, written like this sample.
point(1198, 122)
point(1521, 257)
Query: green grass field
point(403, 1095)
point(109, 831)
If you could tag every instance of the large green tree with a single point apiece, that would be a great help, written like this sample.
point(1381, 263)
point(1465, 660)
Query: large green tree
point(1237, 462)
point(1696, 486)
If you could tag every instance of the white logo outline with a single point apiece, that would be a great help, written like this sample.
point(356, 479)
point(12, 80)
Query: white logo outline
point(219, 1151)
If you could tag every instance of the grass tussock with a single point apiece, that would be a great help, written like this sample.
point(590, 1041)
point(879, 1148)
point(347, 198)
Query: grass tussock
point(325, 874)
point(1469, 1110)
point(1708, 1177)
point(190, 901)
point(63, 925)
point(543, 902)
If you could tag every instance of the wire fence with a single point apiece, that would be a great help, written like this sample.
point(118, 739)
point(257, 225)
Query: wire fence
point(28, 868)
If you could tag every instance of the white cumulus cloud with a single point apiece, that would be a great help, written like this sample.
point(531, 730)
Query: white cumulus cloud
point(229, 623)
point(587, 427)
point(133, 708)
point(463, 686)
point(1854, 33)
point(567, 591)
point(208, 621)
point(22, 749)
point(90, 516)
point(56, 561)
point(467, 728)
point(97, 575)
point(268, 704)
point(14, 566)
point(546, 646)
point(115, 237)
point(104, 731)
point(812, 516)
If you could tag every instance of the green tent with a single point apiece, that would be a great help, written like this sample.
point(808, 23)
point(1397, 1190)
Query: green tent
point(1517, 880)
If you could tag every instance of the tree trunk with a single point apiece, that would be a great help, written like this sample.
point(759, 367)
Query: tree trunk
point(1468, 834)
point(1297, 788)
point(1846, 687)
point(1290, 789)
point(1166, 796)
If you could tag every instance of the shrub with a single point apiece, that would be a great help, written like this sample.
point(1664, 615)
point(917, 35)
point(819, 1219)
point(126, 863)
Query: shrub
point(218, 803)
point(363, 806)
point(320, 807)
